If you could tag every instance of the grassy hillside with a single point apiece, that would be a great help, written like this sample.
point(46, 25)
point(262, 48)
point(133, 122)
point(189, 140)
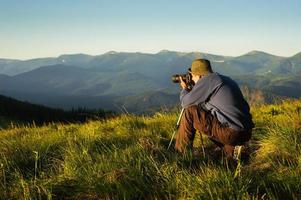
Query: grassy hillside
point(127, 158)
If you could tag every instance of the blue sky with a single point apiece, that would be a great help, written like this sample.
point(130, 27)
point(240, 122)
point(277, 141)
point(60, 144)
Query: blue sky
point(40, 28)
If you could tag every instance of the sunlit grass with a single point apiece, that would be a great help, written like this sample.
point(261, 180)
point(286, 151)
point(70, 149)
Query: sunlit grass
point(127, 158)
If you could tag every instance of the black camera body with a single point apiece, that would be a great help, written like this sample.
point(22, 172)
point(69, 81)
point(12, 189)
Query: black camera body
point(187, 78)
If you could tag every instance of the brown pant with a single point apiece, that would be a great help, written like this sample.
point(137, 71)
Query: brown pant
point(195, 118)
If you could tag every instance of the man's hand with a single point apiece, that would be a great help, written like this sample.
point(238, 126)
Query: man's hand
point(182, 83)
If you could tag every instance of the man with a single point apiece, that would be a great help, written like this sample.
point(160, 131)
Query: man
point(216, 107)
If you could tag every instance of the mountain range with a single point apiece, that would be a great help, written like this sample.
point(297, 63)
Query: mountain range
point(137, 82)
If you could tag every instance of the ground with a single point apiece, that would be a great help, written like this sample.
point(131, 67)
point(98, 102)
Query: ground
point(126, 157)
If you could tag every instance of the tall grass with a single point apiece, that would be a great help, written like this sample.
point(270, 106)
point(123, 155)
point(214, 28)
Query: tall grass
point(127, 158)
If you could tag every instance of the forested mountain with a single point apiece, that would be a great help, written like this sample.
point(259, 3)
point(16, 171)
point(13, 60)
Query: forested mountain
point(114, 80)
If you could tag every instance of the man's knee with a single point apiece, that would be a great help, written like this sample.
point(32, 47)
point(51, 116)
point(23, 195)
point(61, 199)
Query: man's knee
point(232, 137)
point(186, 130)
point(190, 115)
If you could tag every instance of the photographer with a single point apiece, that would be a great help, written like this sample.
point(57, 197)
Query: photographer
point(214, 106)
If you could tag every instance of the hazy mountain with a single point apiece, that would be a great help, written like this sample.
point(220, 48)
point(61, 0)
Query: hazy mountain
point(79, 60)
point(18, 66)
point(111, 61)
point(71, 80)
point(296, 62)
point(255, 63)
point(148, 102)
point(139, 81)
point(14, 67)
point(282, 85)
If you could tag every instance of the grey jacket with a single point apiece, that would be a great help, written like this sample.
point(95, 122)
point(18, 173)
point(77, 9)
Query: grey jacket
point(222, 97)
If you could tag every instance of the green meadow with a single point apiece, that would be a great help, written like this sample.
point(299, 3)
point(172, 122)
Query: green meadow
point(126, 157)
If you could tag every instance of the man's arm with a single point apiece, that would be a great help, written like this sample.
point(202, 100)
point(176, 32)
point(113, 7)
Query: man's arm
point(199, 93)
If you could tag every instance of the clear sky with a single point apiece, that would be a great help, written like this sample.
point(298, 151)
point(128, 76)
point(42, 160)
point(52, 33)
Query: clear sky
point(42, 28)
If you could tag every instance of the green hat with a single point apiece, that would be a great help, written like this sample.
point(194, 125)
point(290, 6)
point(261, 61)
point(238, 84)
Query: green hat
point(201, 67)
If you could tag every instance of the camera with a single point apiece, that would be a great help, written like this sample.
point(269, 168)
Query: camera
point(187, 78)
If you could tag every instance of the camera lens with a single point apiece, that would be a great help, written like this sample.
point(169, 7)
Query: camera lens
point(175, 78)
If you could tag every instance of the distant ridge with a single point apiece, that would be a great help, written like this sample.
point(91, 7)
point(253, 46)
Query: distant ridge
point(256, 52)
point(115, 79)
point(159, 52)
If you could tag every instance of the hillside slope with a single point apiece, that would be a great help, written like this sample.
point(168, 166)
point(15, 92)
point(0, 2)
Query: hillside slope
point(14, 111)
point(127, 158)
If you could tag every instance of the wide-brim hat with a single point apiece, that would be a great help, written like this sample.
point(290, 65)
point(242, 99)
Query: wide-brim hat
point(201, 67)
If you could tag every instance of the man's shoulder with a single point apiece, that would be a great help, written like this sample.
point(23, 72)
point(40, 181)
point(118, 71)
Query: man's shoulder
point(211, 80)
point(223, 78)
point(215, 77)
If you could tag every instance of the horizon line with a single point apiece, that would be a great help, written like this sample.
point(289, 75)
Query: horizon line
point(142, 52)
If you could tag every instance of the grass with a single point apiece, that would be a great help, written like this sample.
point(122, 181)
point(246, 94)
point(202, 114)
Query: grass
point(127, 158)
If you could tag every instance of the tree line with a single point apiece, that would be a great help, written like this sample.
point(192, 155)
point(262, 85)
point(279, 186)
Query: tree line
point(28, 112)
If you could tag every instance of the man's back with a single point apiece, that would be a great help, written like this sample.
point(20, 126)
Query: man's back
point(223, 98)
point(229, 106)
